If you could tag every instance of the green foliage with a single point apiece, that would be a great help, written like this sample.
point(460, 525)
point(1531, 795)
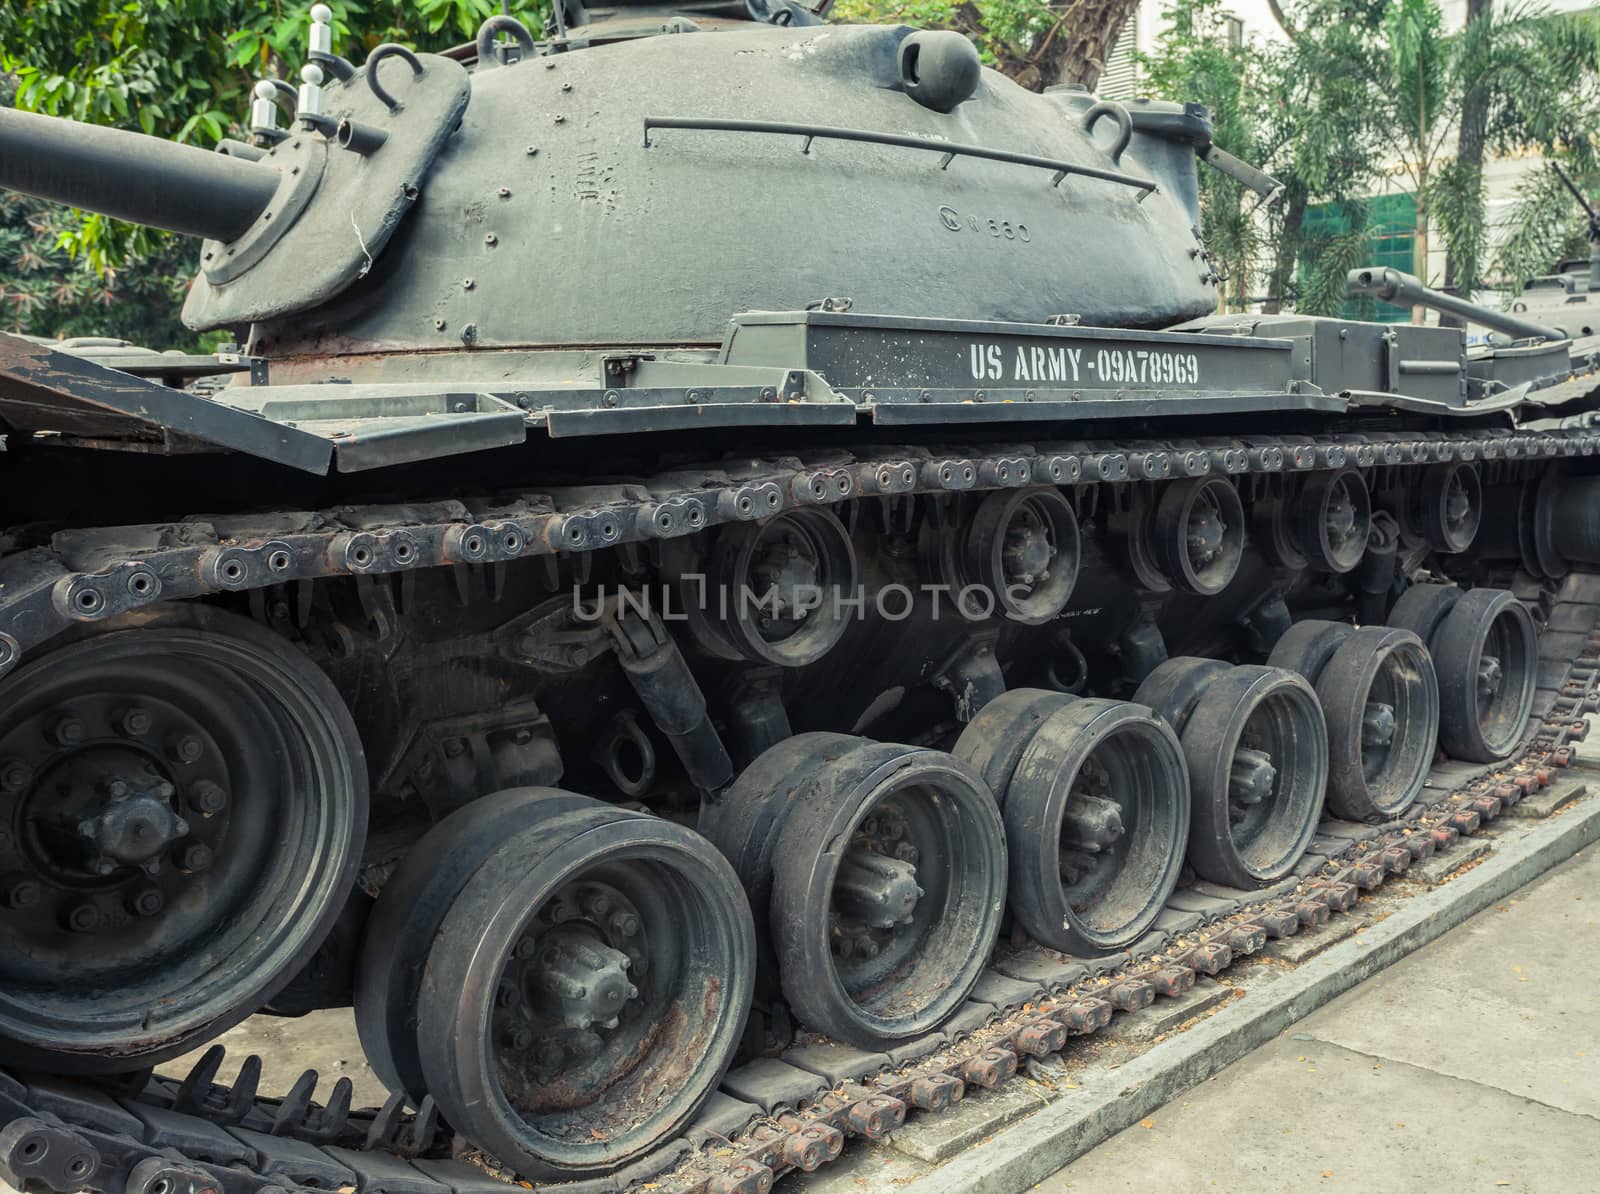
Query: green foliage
point(45, 292)
point(1195, 60)
point(179, 69)
point(1547, 225)
point(1365, 86)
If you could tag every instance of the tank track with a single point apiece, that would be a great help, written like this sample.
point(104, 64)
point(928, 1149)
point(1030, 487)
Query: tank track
point(90, 576)
point(144, 1134)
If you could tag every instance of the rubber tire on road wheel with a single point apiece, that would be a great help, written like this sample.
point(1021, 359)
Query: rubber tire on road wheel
point(1344, 688)
point(1422, 608)
point(1463, 730)
point(400, 931)
point(1151, 775)
point(1210, 738)
point(959, 934)
point(686, 1059)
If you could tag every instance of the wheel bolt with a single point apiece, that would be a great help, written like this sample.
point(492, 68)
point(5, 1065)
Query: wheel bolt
point(82, 918)
point(115, 788)
point(185, 748)
point(22, 894)
point(518, 1038)
point(506, 995)
point(551, 1055)
point(207, 798)
point(68, 731)
point(134, 722)
point(147, 902)
point(527, 947)
point(15, 776)
point(194, 857)
point(596, 905)
point(624, 924)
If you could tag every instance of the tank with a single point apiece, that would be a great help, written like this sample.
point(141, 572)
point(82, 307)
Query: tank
point(1564, 297)
point(706, 518)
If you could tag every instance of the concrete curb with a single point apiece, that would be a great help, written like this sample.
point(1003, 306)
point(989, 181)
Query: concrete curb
point(1023, 1155)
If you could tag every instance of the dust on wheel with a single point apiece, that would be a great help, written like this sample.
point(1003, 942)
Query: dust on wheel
point(185, 801)
point(1380, 701)
point(1096, 809)
point(585, 991)
point(880, 871)
point(1487, 654)
point(401, 928)
point(1257, 749)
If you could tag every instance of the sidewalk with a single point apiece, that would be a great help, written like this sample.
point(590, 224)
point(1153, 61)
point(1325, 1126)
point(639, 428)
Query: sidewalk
point(1474, 1064)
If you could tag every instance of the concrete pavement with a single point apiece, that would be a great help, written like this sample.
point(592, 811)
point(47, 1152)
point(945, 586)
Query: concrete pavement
point(1473, 1064)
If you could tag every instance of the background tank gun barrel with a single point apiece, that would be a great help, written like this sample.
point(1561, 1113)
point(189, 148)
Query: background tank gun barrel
point(1392, 286)
point(129, 176)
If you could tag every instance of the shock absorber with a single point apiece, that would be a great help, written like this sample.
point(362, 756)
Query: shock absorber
point(667, 688)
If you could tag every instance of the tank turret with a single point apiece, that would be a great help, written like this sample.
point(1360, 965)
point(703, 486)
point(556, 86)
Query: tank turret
point(655, 187)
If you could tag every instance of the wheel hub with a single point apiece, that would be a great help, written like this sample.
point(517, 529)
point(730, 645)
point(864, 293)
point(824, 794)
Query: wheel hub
point(1205, 535)
point(1028, 552)
point(579, 980)
point(1093, 822)
point(878, 890)
point(781, 572)
point(1251, 779)
point(1341, 517)
point(1491, 678)
point(133, 827)
point(1378, 724)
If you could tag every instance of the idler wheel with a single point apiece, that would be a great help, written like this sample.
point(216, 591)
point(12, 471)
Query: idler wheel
point(1333, 516)
point(1257, 750)
point(1487, 654)
point(1380, 701)
point(182, 810)
point(1095, 799)
point(1450, 507)
point(881, 871)
point(1022, 545)
point(585, 991)
point(1199, 534)
point(770, 589)
point(404, 920)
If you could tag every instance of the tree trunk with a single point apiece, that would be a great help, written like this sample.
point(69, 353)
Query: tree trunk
point(1073, 50)
point(1294, 215)
point(1463, 275)
point(1419, 242)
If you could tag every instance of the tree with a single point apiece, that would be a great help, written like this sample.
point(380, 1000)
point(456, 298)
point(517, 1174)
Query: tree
point(1322, 144)
point(1195, 60)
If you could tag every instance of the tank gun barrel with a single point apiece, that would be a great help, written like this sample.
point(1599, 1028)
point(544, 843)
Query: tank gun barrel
point(130, 176)
point(1392, 286)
